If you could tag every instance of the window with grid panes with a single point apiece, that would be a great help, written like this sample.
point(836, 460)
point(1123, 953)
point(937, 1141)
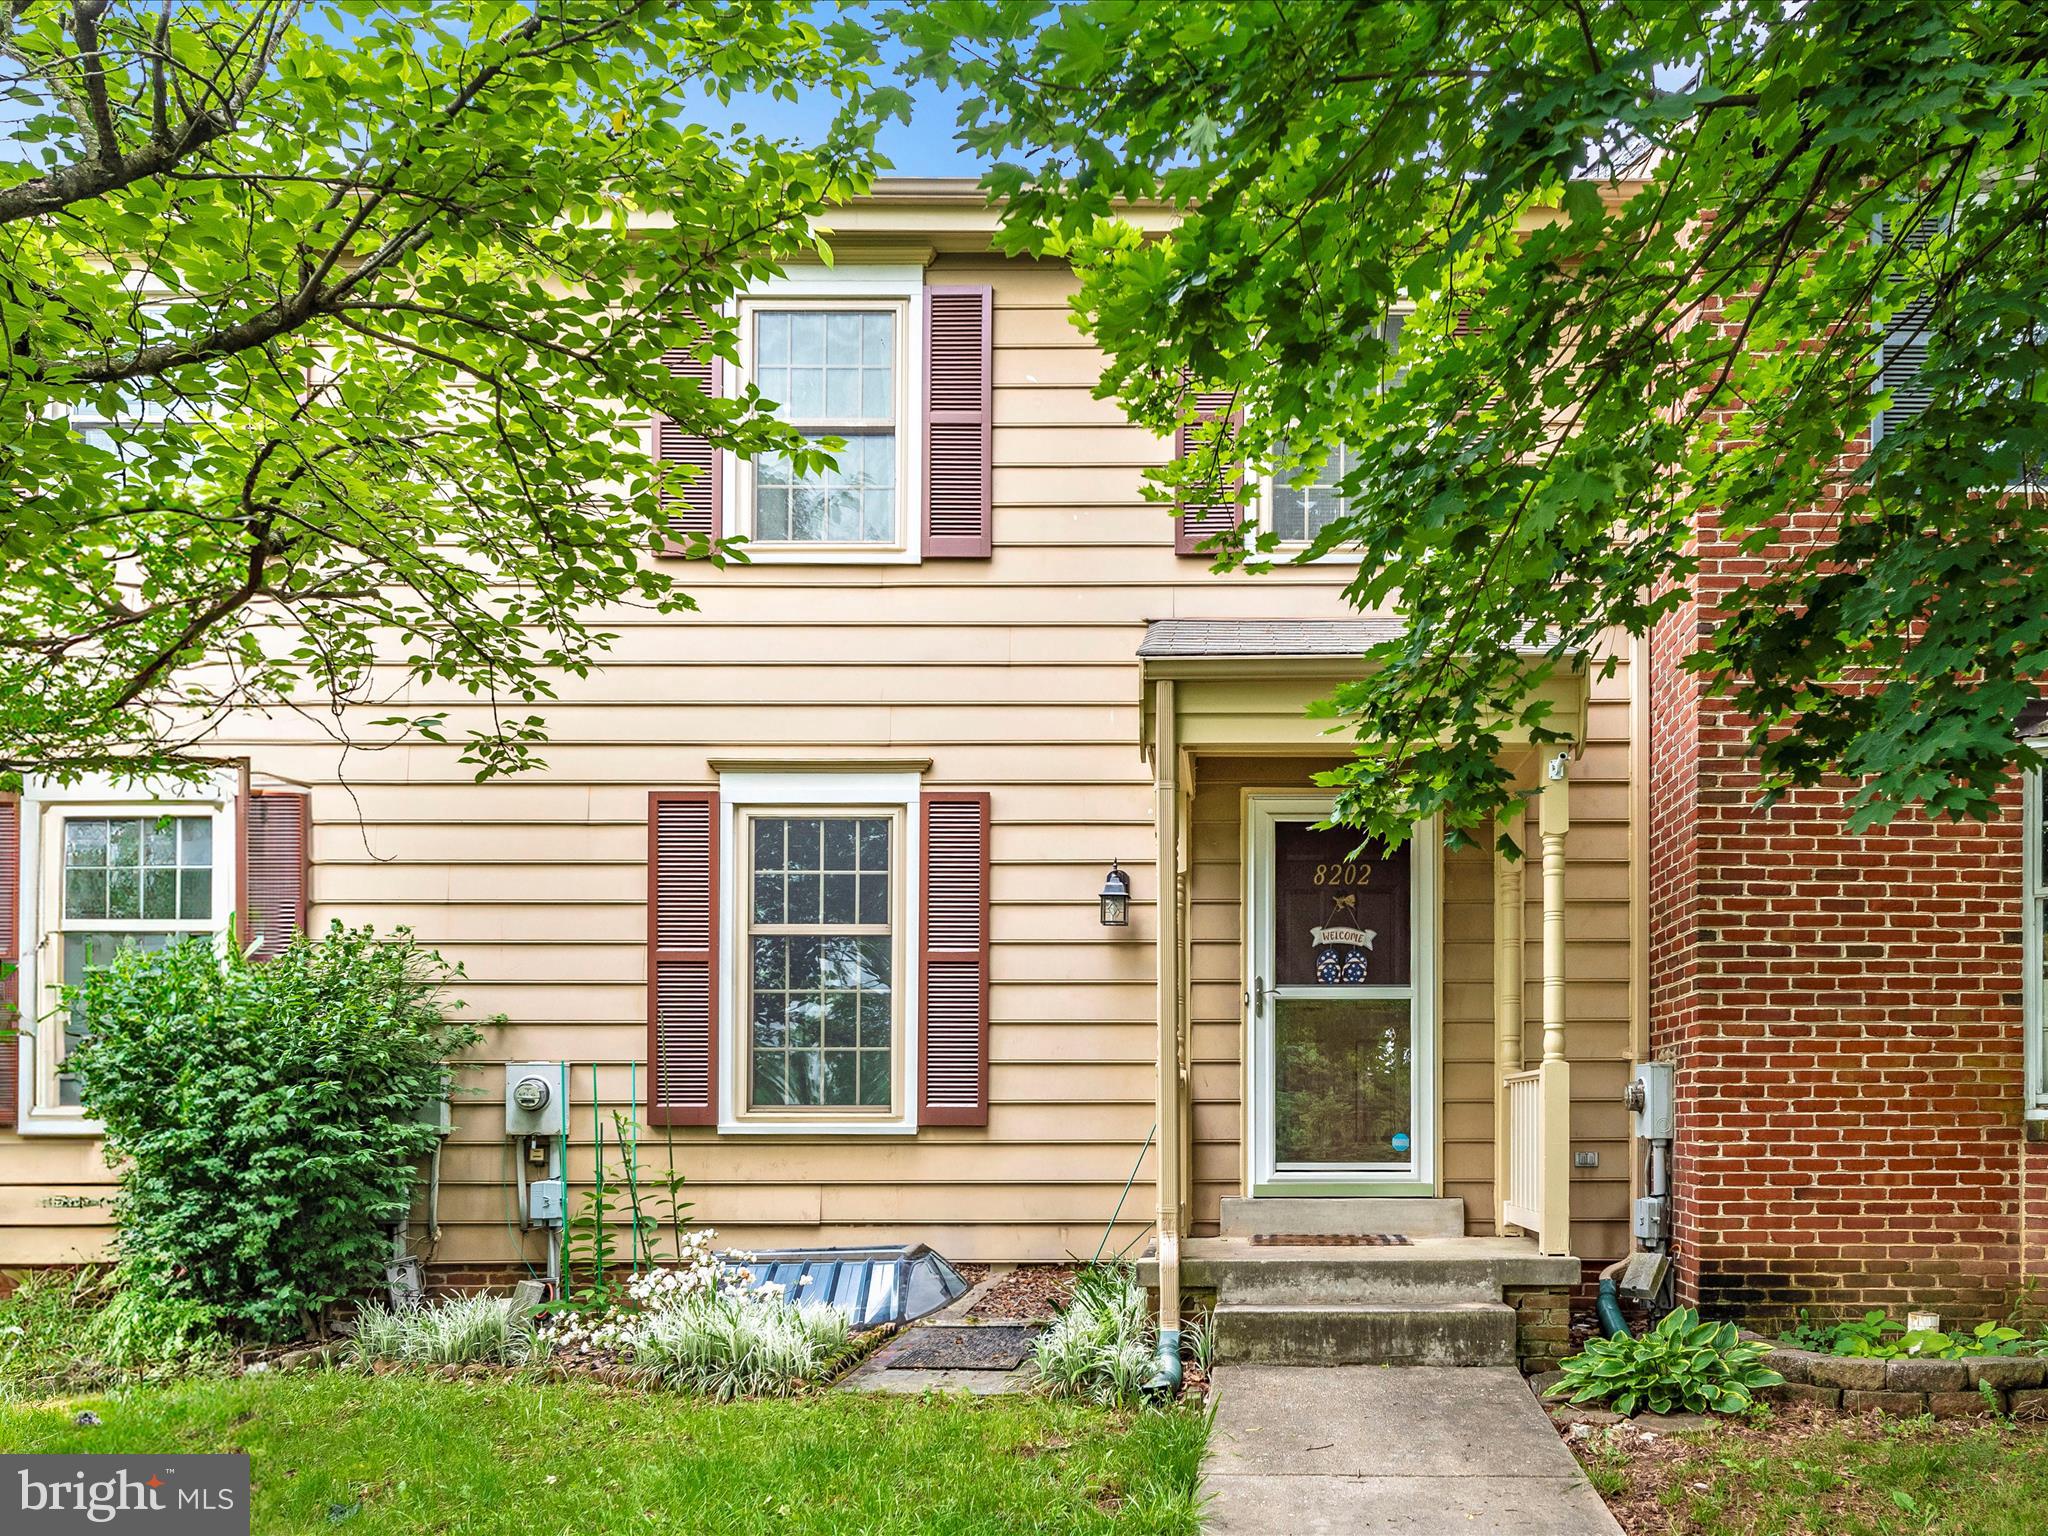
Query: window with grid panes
point(127, 882)
point(821, 961)
point(832, 373)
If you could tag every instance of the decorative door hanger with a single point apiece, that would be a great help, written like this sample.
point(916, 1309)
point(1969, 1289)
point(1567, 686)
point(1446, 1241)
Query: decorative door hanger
point(1340, 920)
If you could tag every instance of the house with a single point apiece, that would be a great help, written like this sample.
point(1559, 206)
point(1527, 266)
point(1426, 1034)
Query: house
point(811, 894)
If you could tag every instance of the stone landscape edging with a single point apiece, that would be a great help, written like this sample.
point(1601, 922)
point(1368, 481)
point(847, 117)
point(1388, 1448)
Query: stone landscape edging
point(1913, 1385)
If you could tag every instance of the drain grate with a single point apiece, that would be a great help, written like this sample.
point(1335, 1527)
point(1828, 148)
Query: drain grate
point(1329, 1240)
point(991, 1347)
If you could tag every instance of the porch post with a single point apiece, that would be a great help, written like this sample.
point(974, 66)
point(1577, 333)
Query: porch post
point(1166, 872)
point(1555, 1093)
point(1507, 1000)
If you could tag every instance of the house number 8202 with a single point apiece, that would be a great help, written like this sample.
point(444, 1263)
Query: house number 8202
point(1343, 874)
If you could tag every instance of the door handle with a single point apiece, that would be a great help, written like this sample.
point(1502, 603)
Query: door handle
point(1255, 999)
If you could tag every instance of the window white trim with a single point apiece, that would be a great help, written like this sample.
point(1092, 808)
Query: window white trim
point(2033, 922)
point(899, 287)
point(44, 809)
point(800, 789)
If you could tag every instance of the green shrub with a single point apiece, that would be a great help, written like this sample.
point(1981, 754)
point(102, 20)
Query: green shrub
point(462, 1330)
point(1877, 1336)
point(85, 1330)
point(1680, 1363)
point(265, 1117)
point(727, 1343)
point(1101, 1346)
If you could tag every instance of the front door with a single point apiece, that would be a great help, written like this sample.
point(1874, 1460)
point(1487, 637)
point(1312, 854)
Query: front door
point(1341, 1025)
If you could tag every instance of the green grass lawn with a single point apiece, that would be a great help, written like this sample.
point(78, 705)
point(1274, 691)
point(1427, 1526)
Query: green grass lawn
point(350, 1455)
point(1803, 1473)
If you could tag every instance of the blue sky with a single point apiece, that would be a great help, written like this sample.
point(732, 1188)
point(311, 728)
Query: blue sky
point(923, 147)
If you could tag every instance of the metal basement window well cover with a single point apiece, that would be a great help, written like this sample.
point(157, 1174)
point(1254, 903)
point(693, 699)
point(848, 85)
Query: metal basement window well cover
point(872, 1286)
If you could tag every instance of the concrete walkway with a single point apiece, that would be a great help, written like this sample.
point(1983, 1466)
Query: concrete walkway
point(1419, 1450)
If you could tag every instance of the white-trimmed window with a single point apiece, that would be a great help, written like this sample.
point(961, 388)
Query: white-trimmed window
point(2034, 931)
point(1299, 507)
point(839, 353)
point(1306, 505)
point(109, 867)
point(818, 1026)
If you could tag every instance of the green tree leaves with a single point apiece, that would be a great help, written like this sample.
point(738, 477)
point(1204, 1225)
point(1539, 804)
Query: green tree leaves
point(1645, 255)
point(330, 331)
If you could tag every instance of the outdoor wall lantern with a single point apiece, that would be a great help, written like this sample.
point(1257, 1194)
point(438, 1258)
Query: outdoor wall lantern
point(1115, 898)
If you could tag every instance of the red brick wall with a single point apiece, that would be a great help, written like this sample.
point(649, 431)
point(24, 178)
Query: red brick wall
point(1845, 1012)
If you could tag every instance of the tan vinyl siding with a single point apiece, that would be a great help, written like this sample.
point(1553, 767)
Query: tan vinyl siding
point(1015, 675)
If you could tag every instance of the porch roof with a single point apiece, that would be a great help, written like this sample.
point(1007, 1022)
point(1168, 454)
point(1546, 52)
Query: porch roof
point(1173, 638)
point(1246, 685)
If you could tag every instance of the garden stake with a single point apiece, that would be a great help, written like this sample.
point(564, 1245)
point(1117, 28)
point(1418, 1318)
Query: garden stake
point(633, 1159)
point(1127, 1189)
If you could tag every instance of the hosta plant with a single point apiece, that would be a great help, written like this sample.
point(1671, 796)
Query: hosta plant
point(1878, 1336)
point(1681, 1363)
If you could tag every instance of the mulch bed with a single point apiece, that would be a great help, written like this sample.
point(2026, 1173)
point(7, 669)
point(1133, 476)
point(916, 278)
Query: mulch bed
point(1654, 1461)
point(1027, 1293)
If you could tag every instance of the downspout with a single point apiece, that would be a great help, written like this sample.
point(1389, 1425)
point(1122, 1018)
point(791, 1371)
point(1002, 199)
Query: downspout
point(1607, 1306)
point(1166, 822)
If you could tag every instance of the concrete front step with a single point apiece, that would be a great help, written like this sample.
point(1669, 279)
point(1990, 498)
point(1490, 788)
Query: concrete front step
point(1446, 1333)
point(1426, 1272)
point(1317, 1216)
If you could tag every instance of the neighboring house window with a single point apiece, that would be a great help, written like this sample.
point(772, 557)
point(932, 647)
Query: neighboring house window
point(89, 422)
point(821, 961)
point(112, 874)
point(123, 882)
point(1902, 345)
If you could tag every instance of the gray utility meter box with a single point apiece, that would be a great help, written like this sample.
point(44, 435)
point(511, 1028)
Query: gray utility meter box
point(534, 1098)
point(1649, 1096)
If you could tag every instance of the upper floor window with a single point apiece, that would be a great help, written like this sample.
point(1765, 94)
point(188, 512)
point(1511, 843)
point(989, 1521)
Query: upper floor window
point(833, 372)
point(838, 352)
point(1306, 505)
point(1298, 508)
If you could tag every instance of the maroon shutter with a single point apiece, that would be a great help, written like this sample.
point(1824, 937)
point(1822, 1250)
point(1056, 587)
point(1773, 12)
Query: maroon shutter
point(276, 847)
point(1203, 511)
point(10, 956)
point(953, 980)
point(692, 500)
point(682, 948)
point(959, 416)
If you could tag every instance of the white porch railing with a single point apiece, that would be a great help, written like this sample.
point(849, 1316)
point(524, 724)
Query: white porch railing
point(1538, 1193)
point(1523, 1202)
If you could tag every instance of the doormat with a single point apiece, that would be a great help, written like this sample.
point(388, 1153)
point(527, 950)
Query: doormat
point(993, 1347)
point(1330, 1240)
